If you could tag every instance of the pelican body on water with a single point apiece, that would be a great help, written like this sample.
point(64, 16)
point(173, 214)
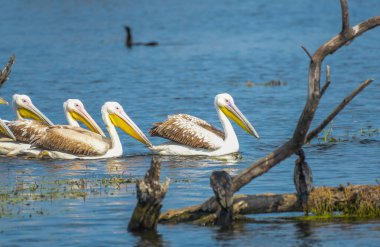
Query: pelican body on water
point(76, 143)
point(187, 135)
point(190, 135)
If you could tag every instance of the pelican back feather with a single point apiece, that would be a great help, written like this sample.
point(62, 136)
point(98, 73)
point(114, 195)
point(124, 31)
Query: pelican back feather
point(72, 140)
point(26, 130)
point(188, 130)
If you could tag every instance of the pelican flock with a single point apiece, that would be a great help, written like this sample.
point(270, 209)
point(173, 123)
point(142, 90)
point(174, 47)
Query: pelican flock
point(34, 135)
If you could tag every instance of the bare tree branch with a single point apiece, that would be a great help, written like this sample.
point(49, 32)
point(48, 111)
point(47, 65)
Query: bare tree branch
point(4, 75)
point(307, 52)
point(346, 29)
point(327, 82)
point(346, 100)
point(298, 139)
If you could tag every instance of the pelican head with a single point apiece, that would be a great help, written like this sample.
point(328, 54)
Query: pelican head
point(24, 108)
point(75, 111)
point(226, 104)
point(3, 101)
point(116, 114)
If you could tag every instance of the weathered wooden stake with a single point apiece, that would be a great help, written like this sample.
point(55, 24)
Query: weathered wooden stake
point(150, 194)
point(221, 184)
point(303, 180)
point(4, 75)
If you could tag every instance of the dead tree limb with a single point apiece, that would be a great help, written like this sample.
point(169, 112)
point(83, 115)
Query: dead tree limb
point(346, 29)
point(4, 76)
point(150, 194)
point(263, 165)
point(336, 111)
point(307, 52)
point(288, 148)
point(327, 82)
point(359, 200)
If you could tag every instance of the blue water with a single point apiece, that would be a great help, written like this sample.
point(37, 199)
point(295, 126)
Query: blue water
point(75, 49)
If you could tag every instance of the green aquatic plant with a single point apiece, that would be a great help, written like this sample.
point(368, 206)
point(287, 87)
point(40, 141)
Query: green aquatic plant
point(349, 201)
point(24, 193)
point(327, 136)
point(369, 131)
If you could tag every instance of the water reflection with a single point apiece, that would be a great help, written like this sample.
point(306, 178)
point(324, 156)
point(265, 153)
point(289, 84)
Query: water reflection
point(305, 233)
point(235, 231)
point(149, 238)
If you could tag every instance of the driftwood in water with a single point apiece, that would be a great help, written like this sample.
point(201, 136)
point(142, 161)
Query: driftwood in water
point(356, 200)
point(4, 75)
point(301, 134)
point(221, 184)
point(150, 194)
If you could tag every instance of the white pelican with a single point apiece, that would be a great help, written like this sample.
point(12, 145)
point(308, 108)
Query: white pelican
point(23, 129)
point(75, 143)
point(29, 120)
point(4, 130)
point(193, 136)
point(26, 130)
point(75, 111)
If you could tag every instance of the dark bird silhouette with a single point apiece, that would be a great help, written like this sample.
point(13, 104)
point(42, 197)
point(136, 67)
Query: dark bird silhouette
point(221, 184)
point(303, 179)
point(129, 40)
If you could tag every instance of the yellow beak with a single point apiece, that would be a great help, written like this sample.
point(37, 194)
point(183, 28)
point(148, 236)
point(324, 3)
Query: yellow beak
point(6, 131)
point(122, 121)
point(234, 113)
point(3, 101)
point(87, 120)
point(33, 113)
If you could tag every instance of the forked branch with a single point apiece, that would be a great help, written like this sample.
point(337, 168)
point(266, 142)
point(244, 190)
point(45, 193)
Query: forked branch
point(340, 107)
point(263, 165)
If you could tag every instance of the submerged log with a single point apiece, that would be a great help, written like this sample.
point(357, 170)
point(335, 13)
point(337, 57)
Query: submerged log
point(351, 200)
point(150, 194)
point(221, 184)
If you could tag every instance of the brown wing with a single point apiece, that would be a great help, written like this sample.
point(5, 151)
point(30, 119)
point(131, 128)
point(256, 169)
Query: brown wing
point(190, 131)
point(72, 140)
point(25, 130)
point(204, 124)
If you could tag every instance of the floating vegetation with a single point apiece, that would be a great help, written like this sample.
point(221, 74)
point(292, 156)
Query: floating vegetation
point(328, 137)
point(22, 196)
point(369, 131)
point(25, 192)
point(328, 134)
point(271, 83)
point(349, 201)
